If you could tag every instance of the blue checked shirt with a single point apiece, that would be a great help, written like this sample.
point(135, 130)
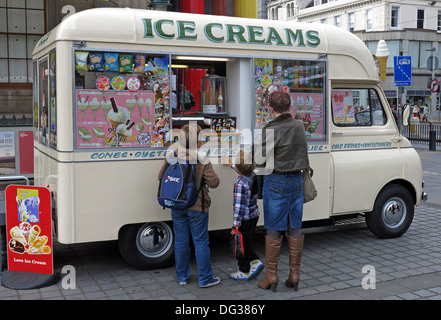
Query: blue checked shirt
point(244, 204)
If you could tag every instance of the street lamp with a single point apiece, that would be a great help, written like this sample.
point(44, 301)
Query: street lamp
point(432, 61)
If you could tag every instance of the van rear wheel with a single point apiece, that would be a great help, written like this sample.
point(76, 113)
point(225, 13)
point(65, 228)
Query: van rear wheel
point(147, 246)
point(393, 212)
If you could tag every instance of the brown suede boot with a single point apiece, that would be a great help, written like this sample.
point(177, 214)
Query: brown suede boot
point(295, 248)
point(272, 253)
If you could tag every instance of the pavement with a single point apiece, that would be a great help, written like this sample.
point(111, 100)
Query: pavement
point(342, 263)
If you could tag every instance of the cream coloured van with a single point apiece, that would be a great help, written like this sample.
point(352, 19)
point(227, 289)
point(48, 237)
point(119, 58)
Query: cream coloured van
point(110, 91)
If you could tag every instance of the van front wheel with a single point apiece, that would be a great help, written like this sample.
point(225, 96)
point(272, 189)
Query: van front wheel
point(147, 246)
point(393, 212)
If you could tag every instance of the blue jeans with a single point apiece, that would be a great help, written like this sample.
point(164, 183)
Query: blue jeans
point(187, 224)
point(283, 201)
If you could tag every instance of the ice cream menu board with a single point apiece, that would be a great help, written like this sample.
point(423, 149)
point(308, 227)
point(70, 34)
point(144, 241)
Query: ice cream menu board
point(308, 107)
point(29, 229)
point(118, 119)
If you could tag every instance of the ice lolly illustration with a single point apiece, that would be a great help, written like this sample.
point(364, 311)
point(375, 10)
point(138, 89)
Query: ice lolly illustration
point(117, 115)
point(382, 56)
point(94, 106)
point(82, 106)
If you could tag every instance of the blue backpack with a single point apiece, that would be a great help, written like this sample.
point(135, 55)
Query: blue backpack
point(177, 187)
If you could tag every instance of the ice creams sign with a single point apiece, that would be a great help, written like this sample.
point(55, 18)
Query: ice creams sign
point(229, 33)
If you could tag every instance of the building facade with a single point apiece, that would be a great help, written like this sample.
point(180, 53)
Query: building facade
point(409, 27)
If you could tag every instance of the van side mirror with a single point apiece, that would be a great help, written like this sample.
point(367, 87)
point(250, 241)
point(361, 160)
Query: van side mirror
point(406, 116)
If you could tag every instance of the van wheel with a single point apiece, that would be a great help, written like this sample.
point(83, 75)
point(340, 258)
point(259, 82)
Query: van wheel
point(393, 212)
point(147, 246)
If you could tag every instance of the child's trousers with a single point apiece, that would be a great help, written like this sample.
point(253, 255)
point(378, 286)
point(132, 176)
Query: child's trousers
point(247, 228)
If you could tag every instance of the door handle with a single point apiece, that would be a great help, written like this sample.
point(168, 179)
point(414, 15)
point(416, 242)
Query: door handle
point(337, 133)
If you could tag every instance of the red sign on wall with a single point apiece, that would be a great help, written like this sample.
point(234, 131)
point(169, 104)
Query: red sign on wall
point(29, 229)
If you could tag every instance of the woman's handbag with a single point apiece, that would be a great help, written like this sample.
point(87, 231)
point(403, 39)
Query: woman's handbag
point(236, 245)
point(309, 190)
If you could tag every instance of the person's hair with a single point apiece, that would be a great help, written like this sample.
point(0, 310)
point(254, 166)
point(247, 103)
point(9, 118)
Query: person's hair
point(280, 101)
point(244, 163)
point(189, 131)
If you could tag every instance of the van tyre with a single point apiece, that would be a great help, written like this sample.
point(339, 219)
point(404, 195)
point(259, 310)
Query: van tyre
point(393, 212)
point(147, 246)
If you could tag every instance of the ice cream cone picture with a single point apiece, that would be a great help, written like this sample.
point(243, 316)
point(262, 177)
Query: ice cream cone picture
point(83, 105)
point(94, 106)
point(382, 55)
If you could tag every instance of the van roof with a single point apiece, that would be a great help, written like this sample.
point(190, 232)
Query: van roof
point(206, 32)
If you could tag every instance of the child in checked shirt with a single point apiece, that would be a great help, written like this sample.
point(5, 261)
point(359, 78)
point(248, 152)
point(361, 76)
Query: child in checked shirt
point(246, 215)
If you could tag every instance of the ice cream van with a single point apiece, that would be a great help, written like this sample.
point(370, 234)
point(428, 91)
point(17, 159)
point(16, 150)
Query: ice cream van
point(112, 85)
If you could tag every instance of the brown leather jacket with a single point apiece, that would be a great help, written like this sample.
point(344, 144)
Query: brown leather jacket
point(204, 169)
point(290, 149)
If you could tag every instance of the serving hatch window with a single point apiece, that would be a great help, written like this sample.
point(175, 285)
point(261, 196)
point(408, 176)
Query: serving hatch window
point(304, 81)
point(121, 99)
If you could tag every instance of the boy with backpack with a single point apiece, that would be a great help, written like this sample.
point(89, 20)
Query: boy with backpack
point(246, 215)
point(190, 222)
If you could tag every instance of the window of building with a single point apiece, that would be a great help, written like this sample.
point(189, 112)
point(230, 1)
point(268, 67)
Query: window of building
point(351, 21)
point(420, 18)
point(337, 21)
point(22, 24)
point(368, 18)
point(438, 21)
point(395, 20)
point(288, 10)
point(323, 21)
point(418, 52)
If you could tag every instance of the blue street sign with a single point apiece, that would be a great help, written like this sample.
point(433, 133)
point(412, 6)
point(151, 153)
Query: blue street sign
point(403, 71)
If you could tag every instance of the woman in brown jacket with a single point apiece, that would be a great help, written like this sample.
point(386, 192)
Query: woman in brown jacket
point(193, 222)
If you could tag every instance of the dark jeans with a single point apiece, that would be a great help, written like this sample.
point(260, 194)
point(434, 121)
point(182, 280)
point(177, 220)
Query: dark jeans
point(247, 229)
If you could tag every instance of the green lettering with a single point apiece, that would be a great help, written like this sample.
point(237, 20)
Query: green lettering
point(313, 38)
point(273, 35)
point(235, 31)
point(294, 36)
point(160, 32)
point(148, 28)
point(184, 28)
point(255, 31)
point(208, 30)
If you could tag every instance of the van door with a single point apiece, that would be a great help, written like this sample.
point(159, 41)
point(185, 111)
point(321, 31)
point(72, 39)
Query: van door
point(364, 155)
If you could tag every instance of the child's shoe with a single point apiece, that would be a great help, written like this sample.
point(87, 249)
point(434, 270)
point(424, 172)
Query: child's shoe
point(239, 275)
point(256, 266)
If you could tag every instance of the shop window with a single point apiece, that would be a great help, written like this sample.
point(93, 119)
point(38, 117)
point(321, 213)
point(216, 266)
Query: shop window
point(122, 99)
point(22, 23)
point(357, 107)
point(304, 81)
